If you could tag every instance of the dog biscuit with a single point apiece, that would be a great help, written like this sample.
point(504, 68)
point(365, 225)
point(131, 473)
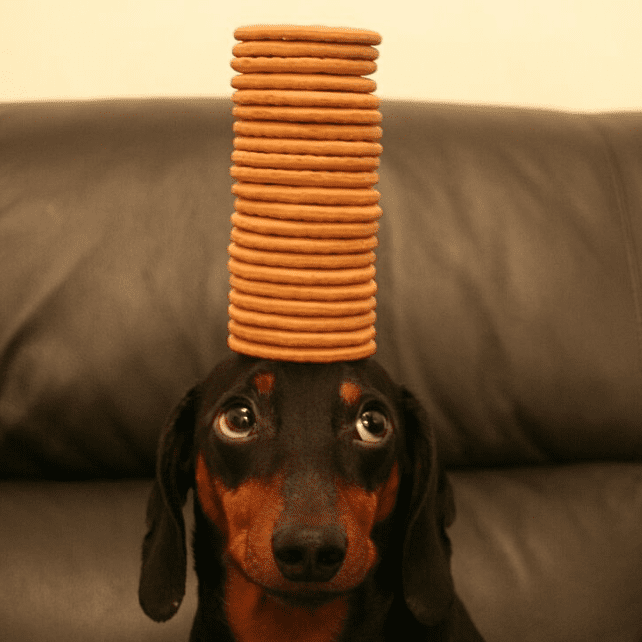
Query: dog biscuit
point(305, 246)
point(304, 178)
point(305, 161)
point(308, 114)
point(306, 195)
point(299, 260)
point(303, 229)
point(301, 339)
point(308, 147)
point(305, 212)
point(334, 66)
point(312, 355)
point(257, 272)
point(301, 324)
point(305, 82)
point(303, 49)
point(313, 131)
point(304, 292)
point(312, 33)
point(331, 99)
point(333, 309)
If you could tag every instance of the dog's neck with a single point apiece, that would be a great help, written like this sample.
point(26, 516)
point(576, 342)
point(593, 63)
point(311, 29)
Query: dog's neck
point(255, 616)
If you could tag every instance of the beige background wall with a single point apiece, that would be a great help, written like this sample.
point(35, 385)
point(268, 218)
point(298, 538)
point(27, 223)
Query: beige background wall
point(569, 54)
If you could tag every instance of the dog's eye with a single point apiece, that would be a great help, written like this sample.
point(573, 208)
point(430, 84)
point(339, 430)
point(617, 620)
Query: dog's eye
point(372, 426)
point(237, 422)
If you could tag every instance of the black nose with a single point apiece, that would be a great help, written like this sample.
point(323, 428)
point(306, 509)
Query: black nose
point(306, 554)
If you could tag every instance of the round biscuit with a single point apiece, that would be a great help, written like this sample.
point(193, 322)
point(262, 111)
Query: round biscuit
point(305, 246)
point(289, 307)
point(304, 292)
point(305, 82)
point(304, 229)
point(302, 212)
point(308, 147)
point(305, 161)
point(301, 324)
point(299, 355)
point(290, 339)
point(334, 66)
point(271, 129)
point(308, 33)
point(289, 98)
point(306, 195)
point(294, 276)
point(307, 114)
point(299, 260)
point(303, 178)
point(303, 49)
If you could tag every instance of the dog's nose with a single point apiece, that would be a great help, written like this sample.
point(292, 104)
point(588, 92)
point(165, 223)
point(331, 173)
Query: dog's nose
point(306, 554)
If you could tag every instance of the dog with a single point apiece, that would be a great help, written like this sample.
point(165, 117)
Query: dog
point(320, 510)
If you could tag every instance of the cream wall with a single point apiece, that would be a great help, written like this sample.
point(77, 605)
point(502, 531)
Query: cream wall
point(570, 54)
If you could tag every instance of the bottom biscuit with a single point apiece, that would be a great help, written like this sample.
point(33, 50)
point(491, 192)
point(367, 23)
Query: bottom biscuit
point(288, 339)
point(302, 355)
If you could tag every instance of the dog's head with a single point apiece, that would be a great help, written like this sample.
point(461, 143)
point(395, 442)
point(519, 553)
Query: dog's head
point(311, 478)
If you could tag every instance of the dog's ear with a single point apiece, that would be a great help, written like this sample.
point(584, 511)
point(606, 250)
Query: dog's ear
point(164, 567)
point(427, 581)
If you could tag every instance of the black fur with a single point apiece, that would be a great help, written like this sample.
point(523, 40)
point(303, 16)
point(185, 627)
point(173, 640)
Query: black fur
point(409, 595)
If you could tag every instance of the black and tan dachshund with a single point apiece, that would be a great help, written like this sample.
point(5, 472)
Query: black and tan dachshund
point(320, 511)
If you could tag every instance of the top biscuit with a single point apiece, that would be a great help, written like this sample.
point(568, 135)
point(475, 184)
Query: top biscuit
point(312, 34)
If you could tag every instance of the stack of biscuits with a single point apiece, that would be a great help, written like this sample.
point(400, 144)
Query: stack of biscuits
point(304, 229)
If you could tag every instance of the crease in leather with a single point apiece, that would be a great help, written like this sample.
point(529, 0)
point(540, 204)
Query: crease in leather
point(22, 322)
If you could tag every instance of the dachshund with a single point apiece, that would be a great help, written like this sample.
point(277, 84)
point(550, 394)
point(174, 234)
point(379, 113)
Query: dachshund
point(319, 509)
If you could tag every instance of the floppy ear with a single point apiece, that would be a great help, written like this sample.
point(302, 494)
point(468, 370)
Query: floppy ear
point(163, 572)
point(427, 580)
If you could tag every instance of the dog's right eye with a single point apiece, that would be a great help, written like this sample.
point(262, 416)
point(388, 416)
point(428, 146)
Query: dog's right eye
point(236, 422)
point(372, 426)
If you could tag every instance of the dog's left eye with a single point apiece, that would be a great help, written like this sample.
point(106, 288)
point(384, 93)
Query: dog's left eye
point(372, 426)
point(237, 422)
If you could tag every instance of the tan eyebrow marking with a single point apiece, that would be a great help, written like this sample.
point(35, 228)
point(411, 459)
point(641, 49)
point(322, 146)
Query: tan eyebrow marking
point(264, 382)
point(350, 392)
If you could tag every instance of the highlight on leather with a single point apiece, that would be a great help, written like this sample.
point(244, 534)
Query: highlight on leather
point(305, 161)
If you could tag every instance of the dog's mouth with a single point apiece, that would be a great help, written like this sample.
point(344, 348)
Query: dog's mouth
point(307, 595)
point(304, 598)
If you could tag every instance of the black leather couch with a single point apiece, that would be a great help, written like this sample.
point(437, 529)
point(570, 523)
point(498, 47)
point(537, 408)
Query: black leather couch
point(510, 302)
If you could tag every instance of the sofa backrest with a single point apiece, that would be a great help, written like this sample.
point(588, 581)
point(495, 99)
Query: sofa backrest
point(508, 269)
point(511, 250)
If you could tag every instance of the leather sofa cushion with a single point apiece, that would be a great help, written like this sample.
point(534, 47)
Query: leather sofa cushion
point(539, 554)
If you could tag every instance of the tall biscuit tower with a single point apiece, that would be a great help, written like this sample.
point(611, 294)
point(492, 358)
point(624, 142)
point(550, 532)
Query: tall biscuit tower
point(304, 229)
